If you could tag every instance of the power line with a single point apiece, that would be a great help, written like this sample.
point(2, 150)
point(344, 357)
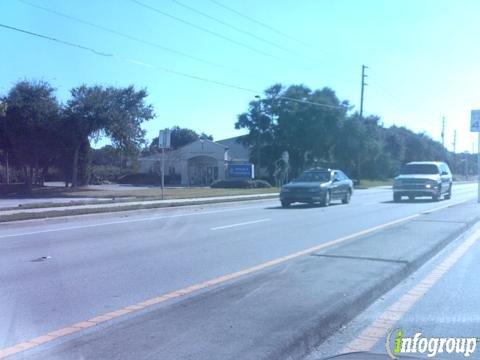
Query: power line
point(124, 35)
point(130, 37)
point(258, 22)
point(101, 53)
point(208, 31)
point(313, 103)
point(230, 25)
point(161, 68)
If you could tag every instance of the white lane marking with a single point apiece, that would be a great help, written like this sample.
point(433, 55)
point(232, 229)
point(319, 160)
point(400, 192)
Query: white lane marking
point(381, 326)
point(152, 218)
point(240, 224)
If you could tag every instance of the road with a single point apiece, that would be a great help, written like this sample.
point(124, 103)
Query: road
point(55, 273)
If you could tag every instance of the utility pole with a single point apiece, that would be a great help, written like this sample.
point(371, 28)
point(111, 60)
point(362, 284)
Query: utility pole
point(362, 92)
point(454, 142)
point(364, 76)
point(443, 131)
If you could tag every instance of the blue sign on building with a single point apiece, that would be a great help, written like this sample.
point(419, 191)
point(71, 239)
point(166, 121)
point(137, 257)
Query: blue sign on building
point(240, 171)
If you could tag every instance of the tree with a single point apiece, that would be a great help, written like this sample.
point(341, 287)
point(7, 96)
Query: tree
point(292, 119)
point(107, 155)
point(117, 113)
point(31, 128)
point(359, 146)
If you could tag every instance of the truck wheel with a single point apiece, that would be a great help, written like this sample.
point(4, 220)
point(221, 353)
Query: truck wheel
point(285, 204)
point(397, 198)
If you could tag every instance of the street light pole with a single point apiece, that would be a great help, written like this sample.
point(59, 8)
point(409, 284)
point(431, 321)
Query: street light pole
point(259, 155)
point(163, 169)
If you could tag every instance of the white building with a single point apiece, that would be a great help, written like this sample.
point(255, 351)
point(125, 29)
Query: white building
point(198, 163)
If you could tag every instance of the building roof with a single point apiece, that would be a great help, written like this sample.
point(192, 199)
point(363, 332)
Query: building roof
point(236, 150)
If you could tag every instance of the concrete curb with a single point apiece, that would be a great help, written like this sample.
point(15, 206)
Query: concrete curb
point(25, 214)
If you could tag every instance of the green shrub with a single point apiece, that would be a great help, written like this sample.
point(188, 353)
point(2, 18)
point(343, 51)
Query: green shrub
point(239, 184)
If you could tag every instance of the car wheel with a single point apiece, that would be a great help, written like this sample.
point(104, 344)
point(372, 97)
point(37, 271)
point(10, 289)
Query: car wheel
point(397, 197)
point(346, 198)
point(327, 199)
point(448, 195)
point(285, 204)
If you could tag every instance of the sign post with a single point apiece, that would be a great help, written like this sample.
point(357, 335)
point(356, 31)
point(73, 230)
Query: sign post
point(475, 127)
point(164, 143)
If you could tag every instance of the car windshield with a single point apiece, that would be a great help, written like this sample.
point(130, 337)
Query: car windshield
point(314, 176)
point(421, 169)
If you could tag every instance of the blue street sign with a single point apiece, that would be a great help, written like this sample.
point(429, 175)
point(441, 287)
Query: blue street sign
point(240, 171)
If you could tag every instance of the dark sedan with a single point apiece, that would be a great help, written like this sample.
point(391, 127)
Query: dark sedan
point(318, 186)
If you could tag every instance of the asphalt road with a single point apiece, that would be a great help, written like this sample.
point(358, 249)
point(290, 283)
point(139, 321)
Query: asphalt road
point(57, 272)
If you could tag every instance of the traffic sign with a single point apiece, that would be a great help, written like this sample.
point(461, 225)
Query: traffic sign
point(164, 139)
point(475, 127)
point(475, 121)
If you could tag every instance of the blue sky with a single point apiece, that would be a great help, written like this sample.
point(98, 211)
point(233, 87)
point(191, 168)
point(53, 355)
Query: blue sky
point(423, 56)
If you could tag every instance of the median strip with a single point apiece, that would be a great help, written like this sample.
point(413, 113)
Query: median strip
point(380, 328)
point(52, 212)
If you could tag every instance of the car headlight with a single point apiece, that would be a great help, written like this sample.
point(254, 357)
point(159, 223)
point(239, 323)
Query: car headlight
point(431, 184)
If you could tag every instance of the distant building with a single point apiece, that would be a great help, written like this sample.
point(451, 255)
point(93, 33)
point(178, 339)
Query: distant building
point(238, 153)
point(198, 163)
